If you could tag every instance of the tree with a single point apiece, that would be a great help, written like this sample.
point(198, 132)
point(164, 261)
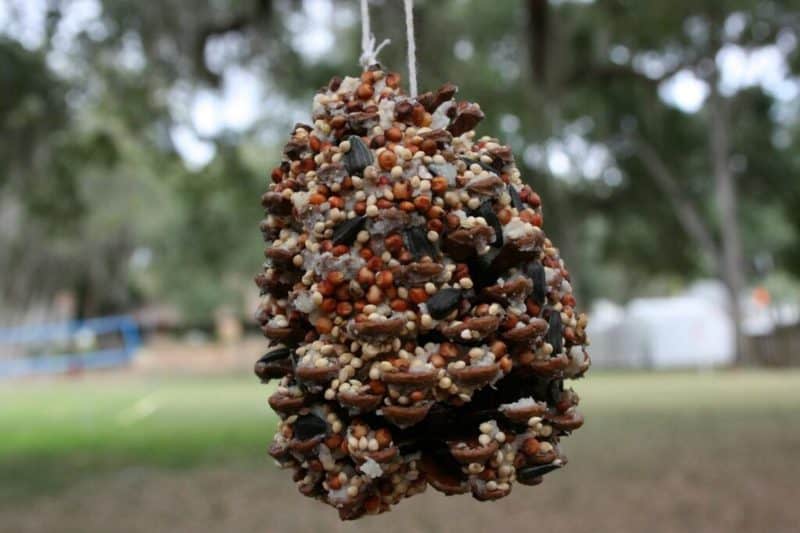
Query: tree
point(579, 90)
point(654, 45)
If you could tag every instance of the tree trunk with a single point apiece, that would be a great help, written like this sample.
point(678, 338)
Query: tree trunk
point(538, 25)
point(542, 49)
point(732, 260)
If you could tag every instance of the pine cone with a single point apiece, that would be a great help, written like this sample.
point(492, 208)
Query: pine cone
point(421, 324)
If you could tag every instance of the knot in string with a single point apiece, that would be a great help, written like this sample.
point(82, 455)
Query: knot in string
point(369, 52)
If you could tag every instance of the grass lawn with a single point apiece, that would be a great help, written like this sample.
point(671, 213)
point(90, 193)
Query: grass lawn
point(53, 431)
point(673, 450)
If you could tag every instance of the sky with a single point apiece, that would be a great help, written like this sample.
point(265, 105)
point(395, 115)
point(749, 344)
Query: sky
point(244, 99)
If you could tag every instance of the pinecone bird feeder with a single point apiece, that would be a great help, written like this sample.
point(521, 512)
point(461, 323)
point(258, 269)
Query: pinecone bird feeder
point(420, 322)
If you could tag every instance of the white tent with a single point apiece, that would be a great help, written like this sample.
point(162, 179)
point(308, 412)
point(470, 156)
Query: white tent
point(685, 331)
point(606, 321)
point(692, 330)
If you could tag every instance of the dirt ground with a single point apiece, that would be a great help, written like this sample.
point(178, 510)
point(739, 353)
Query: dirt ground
point(235, 499)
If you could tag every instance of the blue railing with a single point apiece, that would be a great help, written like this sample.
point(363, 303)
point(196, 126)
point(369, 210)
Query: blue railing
point(50, 361)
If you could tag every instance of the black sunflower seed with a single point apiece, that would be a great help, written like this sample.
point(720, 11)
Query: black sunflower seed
point(532, 472)
point(359, 156)
point(539, 389)
point(554, 390)
point(481, 269)
point(535, 271)
point(431, 336)
point(516, 201)
point(443, 302)
point(487, 212)
point(418, 243)
point(554, 332)
point(309, 426)
point(276, 354)
point(347, 231)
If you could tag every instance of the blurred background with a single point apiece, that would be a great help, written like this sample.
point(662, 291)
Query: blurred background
point(136, 139)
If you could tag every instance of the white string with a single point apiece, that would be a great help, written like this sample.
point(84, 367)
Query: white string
point(412, 48)
point(369, 53)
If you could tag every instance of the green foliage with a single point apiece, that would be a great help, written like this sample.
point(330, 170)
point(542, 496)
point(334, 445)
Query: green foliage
point(623, 101)
point(209, 250)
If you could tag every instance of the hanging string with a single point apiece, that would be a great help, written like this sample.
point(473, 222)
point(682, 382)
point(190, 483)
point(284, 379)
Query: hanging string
point(412, 48)
point(369, 53)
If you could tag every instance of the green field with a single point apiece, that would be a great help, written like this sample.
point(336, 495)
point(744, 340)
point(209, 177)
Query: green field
point(730, 439)
point(56, 431)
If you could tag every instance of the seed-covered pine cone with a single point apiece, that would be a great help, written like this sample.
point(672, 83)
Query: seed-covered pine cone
point(420, 323)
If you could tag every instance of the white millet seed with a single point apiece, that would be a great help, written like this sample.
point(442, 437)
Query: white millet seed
point(475, 468)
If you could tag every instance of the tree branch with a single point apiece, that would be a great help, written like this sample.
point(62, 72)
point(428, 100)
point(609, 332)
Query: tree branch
point(688, 214)
point(262, 11)
point(610, 72)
